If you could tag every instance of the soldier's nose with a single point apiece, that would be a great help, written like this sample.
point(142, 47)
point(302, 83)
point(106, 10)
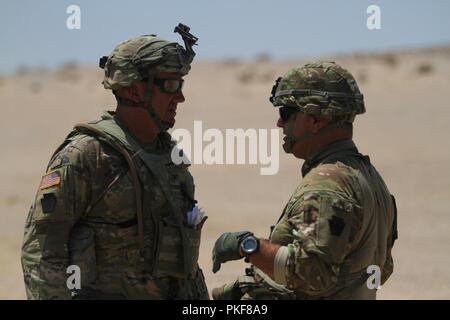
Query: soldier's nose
point(280, 123)
point(179, 97)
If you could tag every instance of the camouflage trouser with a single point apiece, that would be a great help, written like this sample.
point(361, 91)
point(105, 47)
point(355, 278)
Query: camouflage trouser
point(169, 288)
point(146, 287)
point(199, 289)
point(254, 285)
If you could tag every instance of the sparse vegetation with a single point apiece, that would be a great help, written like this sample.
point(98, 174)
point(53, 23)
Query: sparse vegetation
point(23, 70)
point(263, 57)
point(231, 62)
point(267, 76)
point(246, 76)
point(35, 87)
point(389, 59)
point(424, 68)
point(69, 72)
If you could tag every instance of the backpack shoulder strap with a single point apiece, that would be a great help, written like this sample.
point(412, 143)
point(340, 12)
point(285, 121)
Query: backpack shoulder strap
point(133, 171)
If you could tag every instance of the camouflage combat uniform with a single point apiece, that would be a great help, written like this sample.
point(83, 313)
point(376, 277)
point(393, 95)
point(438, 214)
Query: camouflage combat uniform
point(86, 215)
point(338, 222)
point(341, 219)
point(116, 208)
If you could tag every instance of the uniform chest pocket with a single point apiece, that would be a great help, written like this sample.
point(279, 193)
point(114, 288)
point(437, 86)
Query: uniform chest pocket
point(170, 257)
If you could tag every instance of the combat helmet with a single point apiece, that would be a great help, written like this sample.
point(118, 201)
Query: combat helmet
point(321, 89)
point(141, 58)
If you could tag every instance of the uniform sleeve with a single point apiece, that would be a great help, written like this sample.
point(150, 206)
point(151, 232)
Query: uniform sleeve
point(61, 200)
point(324, 225)
point(388, 266)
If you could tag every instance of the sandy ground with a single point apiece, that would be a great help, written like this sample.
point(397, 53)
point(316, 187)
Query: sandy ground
point(405, 131)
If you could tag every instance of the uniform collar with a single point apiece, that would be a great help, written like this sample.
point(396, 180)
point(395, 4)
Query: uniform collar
point(332, 149)
point(162, 143)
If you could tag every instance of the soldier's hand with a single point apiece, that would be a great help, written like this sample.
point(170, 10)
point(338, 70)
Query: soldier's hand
point(227, 248)
point(230, 291)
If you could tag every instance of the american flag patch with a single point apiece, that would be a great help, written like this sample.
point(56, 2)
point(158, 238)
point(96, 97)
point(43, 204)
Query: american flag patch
point(49, 180)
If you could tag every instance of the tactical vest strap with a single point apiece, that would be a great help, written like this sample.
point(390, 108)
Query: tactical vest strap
point(67, 140)
point(110, 131)
point(134, 176)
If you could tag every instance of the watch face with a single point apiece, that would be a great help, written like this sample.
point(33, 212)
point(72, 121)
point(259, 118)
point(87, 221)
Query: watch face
point(249, 245)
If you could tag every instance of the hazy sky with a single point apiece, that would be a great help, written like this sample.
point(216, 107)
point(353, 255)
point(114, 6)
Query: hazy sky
point(34, 33)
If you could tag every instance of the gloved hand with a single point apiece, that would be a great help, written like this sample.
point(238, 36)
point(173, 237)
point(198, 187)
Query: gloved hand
point(226, 248)
point(229, 291)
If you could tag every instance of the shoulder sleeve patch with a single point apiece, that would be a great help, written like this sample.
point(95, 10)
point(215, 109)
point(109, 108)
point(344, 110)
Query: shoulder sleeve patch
point(48, 202)
point(337, 225)
point(50, 180)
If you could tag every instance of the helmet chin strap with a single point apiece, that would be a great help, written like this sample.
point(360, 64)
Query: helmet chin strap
point(145, 104)
point(162, 126)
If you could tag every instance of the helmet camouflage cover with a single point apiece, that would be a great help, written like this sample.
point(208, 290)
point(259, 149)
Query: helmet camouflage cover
point(141, 57)
point(320, 89)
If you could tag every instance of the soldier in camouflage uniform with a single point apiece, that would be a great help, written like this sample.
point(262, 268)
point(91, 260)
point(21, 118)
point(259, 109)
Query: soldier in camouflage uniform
point(112, 202)
point(340, 220)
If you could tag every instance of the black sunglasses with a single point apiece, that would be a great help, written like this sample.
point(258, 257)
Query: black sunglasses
point(286, 112)
point(169, 85)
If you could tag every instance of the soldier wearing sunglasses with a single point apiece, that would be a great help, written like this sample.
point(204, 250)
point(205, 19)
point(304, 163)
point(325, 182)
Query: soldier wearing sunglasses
point(340, 223)
point(112, 206)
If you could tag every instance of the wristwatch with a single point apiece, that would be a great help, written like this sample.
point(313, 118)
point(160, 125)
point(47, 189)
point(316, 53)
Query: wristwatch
point(249, 245)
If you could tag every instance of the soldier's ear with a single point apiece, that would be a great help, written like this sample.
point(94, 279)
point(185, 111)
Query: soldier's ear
point(316, 123)
point(319, 122)
point(134, 93)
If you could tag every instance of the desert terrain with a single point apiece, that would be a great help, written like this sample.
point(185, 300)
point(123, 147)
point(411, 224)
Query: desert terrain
point(405, 131)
